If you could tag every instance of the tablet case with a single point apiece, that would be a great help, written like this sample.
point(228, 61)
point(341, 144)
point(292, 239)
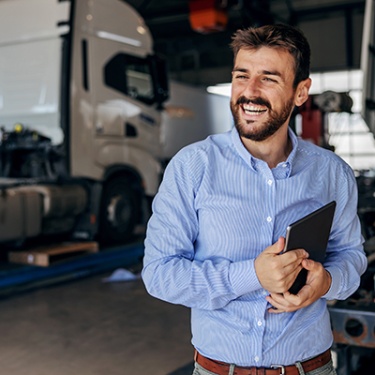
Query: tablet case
point(310, 233)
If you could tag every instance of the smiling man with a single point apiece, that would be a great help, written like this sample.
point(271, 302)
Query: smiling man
point(215, 238)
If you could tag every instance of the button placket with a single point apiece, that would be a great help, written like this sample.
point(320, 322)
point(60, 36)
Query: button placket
point(270, 183)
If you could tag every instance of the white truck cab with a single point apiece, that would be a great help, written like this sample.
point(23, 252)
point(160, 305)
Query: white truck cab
point(81, 95)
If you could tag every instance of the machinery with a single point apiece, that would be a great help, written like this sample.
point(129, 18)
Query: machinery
point(352, 320)
point(81, 96)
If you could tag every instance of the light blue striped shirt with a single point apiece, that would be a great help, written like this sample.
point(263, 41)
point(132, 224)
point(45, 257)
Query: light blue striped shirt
point(216, 210)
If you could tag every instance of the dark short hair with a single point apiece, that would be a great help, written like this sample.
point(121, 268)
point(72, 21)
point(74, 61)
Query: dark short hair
point(277, 36)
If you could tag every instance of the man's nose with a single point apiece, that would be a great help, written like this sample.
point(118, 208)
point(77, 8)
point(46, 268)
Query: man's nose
point(252, 88)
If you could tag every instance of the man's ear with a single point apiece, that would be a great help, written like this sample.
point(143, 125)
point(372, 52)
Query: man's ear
point(302, 92)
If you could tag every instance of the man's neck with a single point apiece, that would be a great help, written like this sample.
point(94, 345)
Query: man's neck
point(273, 150)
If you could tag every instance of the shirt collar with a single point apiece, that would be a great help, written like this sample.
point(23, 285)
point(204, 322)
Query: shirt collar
point(253, 162)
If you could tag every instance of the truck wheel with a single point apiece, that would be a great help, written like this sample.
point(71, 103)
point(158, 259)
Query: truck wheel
point(119, 211)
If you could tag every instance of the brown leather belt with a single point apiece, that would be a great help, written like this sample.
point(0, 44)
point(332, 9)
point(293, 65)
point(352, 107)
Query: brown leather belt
point(222, 368)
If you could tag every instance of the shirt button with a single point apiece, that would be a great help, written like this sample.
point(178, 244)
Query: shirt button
point(256, 359)
point(269, 182)
point(259, 323)
point(269, 219)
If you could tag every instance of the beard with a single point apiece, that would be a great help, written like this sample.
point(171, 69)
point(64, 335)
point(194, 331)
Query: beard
point(275, 121)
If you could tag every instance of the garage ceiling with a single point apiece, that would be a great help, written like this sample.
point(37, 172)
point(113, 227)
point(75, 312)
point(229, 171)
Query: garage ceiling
point(205, 58)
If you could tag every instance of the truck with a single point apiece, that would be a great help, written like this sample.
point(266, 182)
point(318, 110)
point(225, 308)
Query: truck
point(81, 102)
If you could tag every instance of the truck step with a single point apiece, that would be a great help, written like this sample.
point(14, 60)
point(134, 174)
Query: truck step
point(46, 255)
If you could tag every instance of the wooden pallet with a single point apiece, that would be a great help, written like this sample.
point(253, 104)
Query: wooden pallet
point(46, 255)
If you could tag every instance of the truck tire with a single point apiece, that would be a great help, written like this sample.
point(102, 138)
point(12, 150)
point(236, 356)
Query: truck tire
point(120, 210)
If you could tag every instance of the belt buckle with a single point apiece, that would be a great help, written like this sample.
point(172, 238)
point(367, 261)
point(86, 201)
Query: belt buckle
point(282, 368)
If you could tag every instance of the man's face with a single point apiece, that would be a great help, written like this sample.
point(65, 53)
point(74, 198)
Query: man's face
point(263, 96)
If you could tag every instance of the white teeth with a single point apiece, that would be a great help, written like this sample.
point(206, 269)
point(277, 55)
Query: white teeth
point(252, 108)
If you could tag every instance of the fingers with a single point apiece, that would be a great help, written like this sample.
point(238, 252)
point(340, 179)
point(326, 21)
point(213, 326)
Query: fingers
point(318, 277)
point(317, 285)
point(279, 304)
point(277, 247)
point(276, 272)
point(288, 302)
point(309, 264)
point(280, 244)
point(298, 254)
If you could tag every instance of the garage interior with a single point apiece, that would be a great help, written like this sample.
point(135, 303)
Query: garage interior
point(86, 311)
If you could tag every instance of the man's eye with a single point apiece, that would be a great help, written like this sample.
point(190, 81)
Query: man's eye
point(268, 79)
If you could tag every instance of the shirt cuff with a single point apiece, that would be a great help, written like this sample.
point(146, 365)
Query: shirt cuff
point(334, 289)
point(243, 278)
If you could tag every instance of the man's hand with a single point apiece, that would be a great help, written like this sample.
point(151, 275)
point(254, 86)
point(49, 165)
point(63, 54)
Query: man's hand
point(277, 272)
point(317, 285)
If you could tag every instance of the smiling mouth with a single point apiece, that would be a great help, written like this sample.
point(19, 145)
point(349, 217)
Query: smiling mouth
point(253, 109)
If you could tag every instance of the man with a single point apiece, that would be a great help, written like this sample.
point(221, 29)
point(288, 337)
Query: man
point(214, 240)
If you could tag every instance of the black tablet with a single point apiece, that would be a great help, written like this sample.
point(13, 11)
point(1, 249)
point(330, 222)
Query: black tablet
point(310, 233)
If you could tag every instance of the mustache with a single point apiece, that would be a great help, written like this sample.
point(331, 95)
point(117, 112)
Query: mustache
point(259, 101)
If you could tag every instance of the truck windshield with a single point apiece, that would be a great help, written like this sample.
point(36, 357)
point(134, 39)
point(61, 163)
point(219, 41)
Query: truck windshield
point(29, 86)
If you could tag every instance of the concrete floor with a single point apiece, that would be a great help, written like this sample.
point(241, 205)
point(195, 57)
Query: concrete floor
point(88, 327)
